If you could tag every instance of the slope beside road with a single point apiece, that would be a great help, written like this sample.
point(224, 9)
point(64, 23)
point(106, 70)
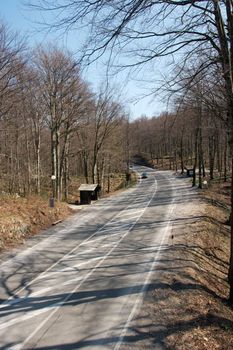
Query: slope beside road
point(82, 284)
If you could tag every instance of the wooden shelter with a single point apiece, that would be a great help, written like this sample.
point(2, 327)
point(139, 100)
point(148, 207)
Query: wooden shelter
point(88, 193)
point(189, 172)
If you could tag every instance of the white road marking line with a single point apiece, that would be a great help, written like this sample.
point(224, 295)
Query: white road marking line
point(139, 299)
point(53, 237)
point(82, 221)
point(20, 346)
point(125, 219)
point(76, 279)
point(131, 211)
point(40, 292)
point(70, 252)
point(53, 265)
point(102, 237)
point(67, 269)
point(20, 299)
point(27, 316)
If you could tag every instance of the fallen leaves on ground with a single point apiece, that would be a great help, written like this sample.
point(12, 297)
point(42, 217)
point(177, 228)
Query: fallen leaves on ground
point(21, 218)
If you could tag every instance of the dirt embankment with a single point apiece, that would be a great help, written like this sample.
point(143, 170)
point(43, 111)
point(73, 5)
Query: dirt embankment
point(21, 218)
point(193, 300)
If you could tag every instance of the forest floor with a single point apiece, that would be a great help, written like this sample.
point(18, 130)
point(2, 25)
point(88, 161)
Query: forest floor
point(22, 217)
point(189, 308)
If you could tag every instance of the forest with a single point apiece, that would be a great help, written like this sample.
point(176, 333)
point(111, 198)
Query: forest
point(53, 124)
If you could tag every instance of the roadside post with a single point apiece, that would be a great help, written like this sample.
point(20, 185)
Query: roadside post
point(52, 199)
point(205, 184)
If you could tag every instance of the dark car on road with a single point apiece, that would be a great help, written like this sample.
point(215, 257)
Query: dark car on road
point(144, 176)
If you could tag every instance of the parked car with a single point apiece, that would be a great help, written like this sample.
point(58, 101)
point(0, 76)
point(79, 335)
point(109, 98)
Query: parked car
point(144, 176)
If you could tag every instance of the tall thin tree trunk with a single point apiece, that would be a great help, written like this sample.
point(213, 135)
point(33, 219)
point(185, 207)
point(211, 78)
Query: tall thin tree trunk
point(102, 173)
point(181, 154)
point(58, 170)
point(225, 159)
point(66, 177)
point(28, 163)
point(218, 154)
point(85, 165)
point(53, 162)
point(200, 159)
point(38, 170)
point(109, 182)
point(230, 271)
point(94, 168)
point(230, 142)
point(175, 166)
point(12, 172)
point(200, 150)
point(195, 157)
point(211, 157)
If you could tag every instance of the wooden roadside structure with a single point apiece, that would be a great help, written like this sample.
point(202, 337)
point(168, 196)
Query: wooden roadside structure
point(189, 172)
point(88, 193)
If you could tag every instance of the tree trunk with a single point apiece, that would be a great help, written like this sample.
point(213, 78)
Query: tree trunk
point(195, 158)
point(181, 155)
point(38, 171)
point(58, 167)
point(230, 140)
point(230, 271)
point(85, 165)
point(12, 172)
point(218, 154)
point(102, 172)
point(94, 166)
point(203, 165)
point(109, 183)
point(211, 157)
point(66, 177)
point(18, 172)
point(200, 159)
point(53, 162)
point(28, 163)
point(225, 160)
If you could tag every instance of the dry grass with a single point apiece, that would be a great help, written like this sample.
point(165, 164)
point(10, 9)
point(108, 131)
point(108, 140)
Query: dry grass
point(200, 317)
point(21, 218)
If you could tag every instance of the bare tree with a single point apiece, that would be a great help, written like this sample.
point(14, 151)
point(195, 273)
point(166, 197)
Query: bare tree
point(59, 76)
point(146, 30)
point(106, 117)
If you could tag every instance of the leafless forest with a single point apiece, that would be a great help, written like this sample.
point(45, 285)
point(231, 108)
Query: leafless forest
point(53, 124)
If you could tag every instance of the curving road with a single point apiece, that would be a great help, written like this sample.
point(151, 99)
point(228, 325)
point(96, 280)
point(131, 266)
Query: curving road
point(78, 285)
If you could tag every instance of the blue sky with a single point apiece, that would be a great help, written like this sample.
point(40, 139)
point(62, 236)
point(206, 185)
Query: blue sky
point(14, 14)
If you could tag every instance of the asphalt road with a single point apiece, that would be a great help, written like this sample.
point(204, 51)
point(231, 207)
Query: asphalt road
point(78, 285)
